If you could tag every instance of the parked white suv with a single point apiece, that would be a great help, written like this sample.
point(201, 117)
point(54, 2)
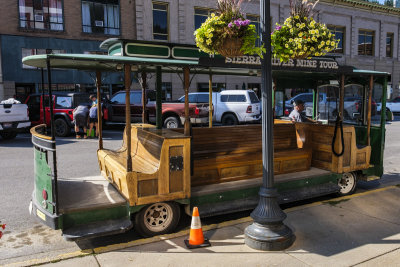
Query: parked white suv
point(13, 118)
point(232, 107)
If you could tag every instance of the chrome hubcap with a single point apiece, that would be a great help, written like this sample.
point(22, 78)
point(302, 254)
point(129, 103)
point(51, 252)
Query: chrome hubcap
point(346, 183)
point(158, 217)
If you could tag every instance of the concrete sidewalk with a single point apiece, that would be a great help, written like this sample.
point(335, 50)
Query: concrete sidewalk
point(363, 229)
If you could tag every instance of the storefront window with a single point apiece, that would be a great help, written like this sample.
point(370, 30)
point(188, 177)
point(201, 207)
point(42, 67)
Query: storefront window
point(101, 17)
point(30, 52)
point(41, 14)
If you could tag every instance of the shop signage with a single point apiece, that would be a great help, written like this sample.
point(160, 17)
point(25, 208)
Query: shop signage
point(254, 62)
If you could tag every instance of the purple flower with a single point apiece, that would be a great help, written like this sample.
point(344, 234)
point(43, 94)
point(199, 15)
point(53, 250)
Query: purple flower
point(237, 23)
point(230, 25)
point(278, 27)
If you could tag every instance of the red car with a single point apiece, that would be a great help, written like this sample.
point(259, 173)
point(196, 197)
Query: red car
point(63, 104)
point(173, 113)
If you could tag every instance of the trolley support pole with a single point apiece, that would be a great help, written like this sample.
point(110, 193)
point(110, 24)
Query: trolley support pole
point(186, 81)
point(341, 95)
point(144, 102)
point(127, 75)
point(268, 231)
point(158, 97)
point(99, 110)
point(210, 103)
point(43, 105)
point(53, 135)
point(371, 85)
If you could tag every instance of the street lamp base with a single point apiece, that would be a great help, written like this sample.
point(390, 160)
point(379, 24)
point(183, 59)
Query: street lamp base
point(268, 237)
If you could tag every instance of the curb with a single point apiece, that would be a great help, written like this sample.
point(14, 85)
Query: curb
point(143, 241)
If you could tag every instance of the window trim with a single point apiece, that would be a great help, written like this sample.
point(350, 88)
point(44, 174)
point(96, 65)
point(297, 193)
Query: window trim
point(344, 37)
point(258, 40)
point(373, 41)
point(42, 30)
point(208, 9)
point(102, 34)
point(391, 44)
point(168, 18)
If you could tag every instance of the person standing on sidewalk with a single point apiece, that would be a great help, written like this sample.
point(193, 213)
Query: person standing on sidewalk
point(80, 115)
point(93, 120)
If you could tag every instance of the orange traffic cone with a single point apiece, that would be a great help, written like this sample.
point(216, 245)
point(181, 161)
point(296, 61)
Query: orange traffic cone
point(196, 237)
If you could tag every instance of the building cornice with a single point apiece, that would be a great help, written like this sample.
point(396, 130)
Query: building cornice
point(364, 5)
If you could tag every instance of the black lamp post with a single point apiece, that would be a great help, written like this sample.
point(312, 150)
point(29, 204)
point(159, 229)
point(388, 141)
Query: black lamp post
point(267, 232)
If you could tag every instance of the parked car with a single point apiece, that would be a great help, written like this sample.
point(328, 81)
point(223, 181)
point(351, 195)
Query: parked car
point(13, 118)
point(231, 107)
point(63, 104)
point(391, 105)
point(173, 113)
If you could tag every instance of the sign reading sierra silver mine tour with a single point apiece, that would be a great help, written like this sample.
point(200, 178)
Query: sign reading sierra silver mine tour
point(254, 62)
point(295, 63)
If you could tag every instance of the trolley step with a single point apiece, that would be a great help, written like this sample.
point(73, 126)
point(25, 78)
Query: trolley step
point(102, 228)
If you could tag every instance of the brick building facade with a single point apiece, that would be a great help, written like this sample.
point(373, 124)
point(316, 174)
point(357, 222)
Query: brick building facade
point(45, 26)
point(369, 32)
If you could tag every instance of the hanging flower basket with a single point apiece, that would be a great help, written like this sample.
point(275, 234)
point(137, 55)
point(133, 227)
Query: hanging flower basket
point(228, 33)
point(231, 47)
point(301, 36)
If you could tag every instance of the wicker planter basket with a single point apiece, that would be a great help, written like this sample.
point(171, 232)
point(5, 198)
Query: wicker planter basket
point(230, 47)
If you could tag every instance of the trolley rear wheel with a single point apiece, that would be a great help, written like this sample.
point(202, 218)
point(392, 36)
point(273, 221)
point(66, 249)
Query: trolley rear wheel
point(157, 219)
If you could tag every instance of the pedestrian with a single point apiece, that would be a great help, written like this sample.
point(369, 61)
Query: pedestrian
point(93, 98)
point(80, 115)
point(93, 120)
point(297, 114)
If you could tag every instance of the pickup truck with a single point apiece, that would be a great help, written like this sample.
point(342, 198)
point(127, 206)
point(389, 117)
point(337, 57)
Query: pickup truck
point(63, 106)
point(173, 113)
point(231, 107)
point(13, 118)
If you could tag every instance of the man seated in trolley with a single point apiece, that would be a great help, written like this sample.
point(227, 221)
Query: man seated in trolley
point(297, 114)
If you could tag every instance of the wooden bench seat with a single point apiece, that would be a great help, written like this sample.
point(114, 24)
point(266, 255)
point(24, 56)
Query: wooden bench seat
point(160, 166)
point(233, 153)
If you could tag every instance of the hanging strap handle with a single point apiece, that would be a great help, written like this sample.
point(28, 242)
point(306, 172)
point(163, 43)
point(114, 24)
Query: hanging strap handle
point(338, 123)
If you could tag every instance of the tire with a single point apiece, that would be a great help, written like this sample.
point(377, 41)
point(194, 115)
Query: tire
point(347, 184)
point(229, 119)
point(171, 122)
point(157, 219)
point(62, 128)
point(8, 135)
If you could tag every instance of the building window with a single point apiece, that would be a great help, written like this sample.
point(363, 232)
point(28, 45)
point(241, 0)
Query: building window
point(160, 21)
point(30, 52)
point(339, 33)
point(200, 16)
point(166, 91)
point(366, 42)
point(255, 20)
point(101, 17)
point(389, 44)
point(41, 14)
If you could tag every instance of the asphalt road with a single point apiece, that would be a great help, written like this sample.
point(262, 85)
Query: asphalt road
point(25, 236)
